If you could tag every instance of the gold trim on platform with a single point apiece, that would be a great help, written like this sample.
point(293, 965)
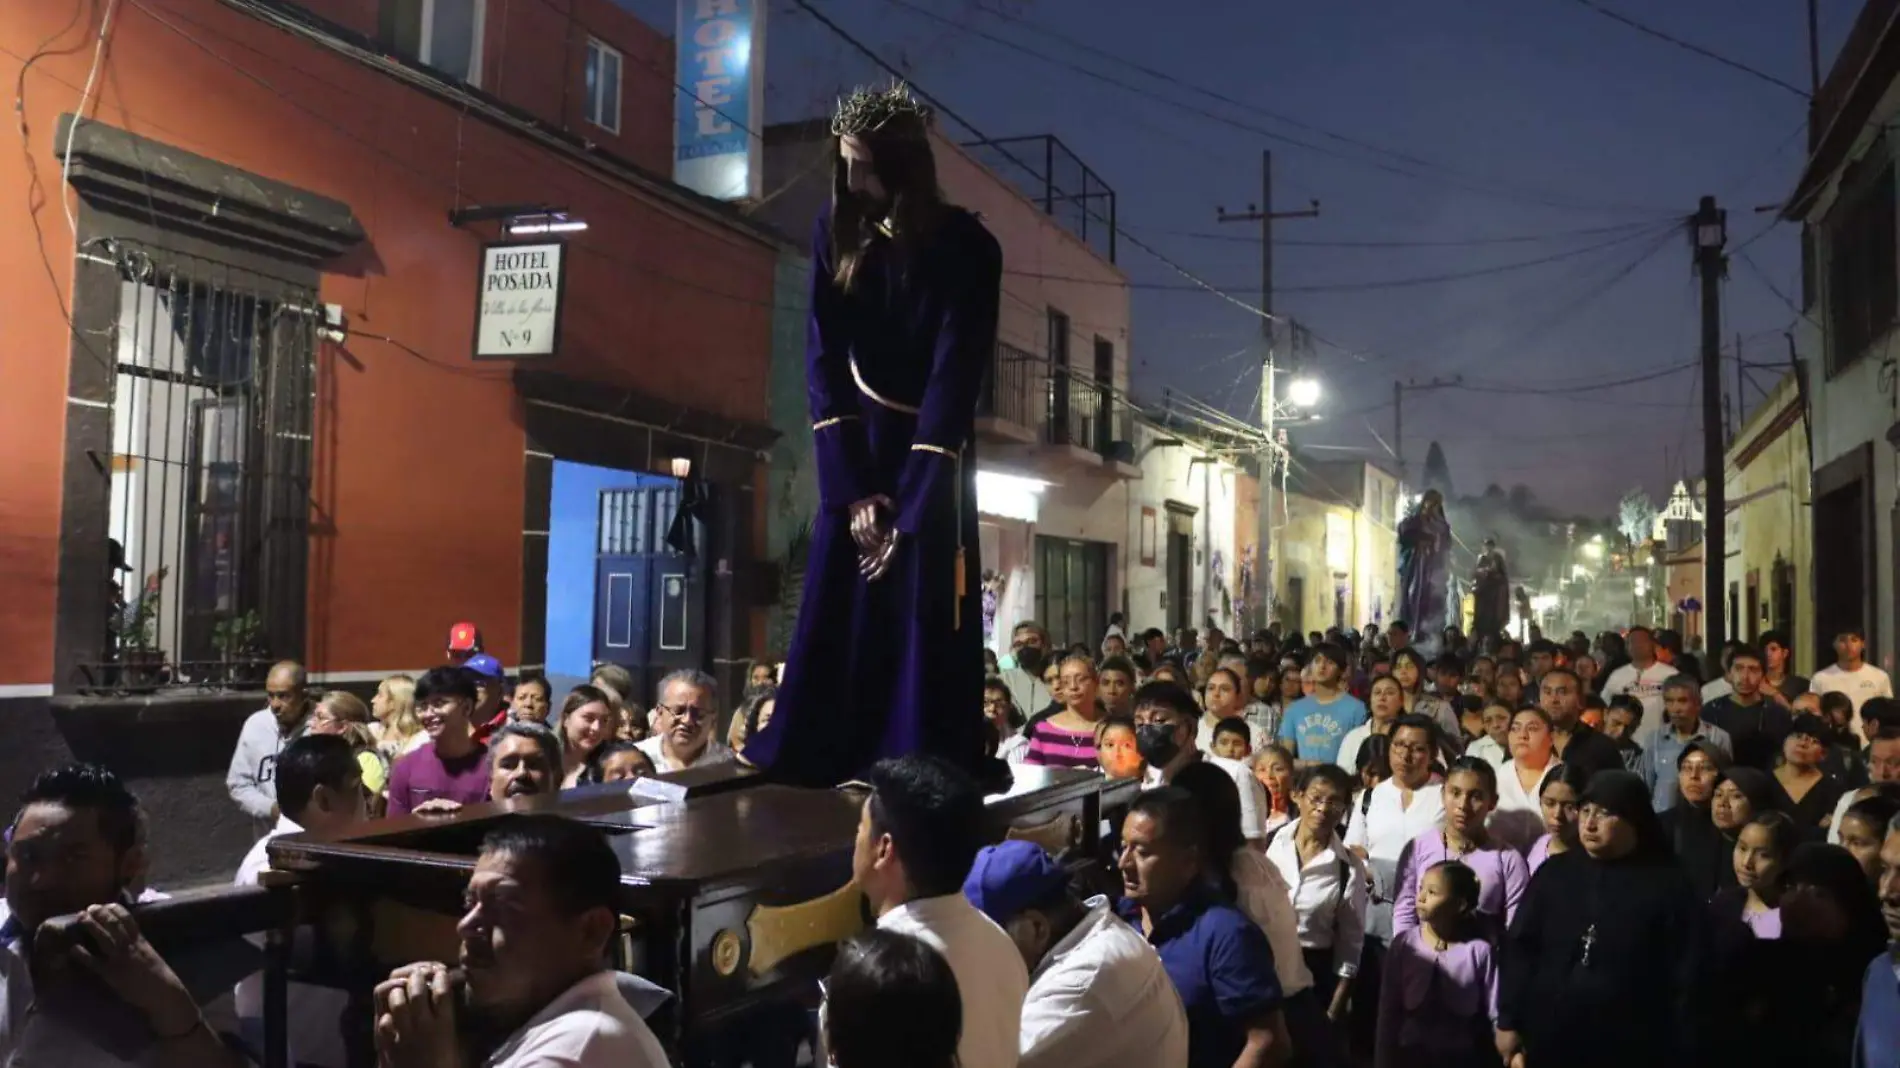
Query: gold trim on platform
point(725, 952)
point(780, 932)
point(939, 449)
point(833, 421)
point(875, 396)
point(1061, 832)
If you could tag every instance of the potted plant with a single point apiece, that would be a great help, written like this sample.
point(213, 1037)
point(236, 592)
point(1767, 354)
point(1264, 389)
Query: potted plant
point(141, 660)
point(238, 641)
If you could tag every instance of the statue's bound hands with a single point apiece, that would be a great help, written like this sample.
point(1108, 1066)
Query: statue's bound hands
point(876, 564)
point(871, 524)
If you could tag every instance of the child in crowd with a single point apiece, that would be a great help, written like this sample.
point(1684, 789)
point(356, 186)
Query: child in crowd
point(1761, 852)
point(1495, 746)
point(617, 760)
point(1115, 749)
point(1232, 739)
point(1438, 997)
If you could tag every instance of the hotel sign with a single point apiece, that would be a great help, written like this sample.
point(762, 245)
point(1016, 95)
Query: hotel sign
point(721, 100)
point(519, 313)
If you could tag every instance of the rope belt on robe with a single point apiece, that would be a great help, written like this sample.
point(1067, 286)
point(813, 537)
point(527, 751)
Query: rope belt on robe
point(958, 578)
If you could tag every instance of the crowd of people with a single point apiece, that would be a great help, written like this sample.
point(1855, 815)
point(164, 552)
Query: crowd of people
point(1534, 855)
point(1585, 852)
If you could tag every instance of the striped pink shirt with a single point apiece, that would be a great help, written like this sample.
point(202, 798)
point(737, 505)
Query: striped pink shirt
point(1057, 747)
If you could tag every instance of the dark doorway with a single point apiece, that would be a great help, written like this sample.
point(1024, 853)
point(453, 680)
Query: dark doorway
point(1072, 589)
point(1781, 614)
point(1842, 575)
point(1180, 565)
point(1293, 613)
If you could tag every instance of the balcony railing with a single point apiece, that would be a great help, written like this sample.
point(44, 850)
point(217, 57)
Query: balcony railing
point(1015, 377)
point(1058, 406)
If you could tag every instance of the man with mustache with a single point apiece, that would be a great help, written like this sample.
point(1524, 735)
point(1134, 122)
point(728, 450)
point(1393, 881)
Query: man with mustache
point(541, 906)
point(524, 760)
point(887, 659)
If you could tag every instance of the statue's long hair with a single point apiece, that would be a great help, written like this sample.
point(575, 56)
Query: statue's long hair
point(904, 164)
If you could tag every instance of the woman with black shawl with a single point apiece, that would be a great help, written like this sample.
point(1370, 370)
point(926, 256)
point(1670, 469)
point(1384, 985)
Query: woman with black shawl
point(1698, 846)
point(1741, 794)
point(1603, 964)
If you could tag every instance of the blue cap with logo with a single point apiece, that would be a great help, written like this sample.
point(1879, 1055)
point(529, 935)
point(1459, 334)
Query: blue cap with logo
point(483, 665)
point(1012, 876)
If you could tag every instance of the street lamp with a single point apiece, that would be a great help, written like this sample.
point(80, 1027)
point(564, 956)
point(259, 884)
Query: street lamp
point(1303, 392)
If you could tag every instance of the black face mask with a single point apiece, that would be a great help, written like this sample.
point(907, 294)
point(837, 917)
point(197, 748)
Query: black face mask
point(1029, 658)
point(1155, 742)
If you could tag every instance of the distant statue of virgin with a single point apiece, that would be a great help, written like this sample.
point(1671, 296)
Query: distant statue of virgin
point(1425, 568)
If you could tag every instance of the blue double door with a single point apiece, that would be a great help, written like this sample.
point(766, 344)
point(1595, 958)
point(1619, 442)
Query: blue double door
point(649, 599)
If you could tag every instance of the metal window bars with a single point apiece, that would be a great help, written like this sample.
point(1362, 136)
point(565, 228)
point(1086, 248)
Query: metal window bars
point(1061, 405)
point(212, 408)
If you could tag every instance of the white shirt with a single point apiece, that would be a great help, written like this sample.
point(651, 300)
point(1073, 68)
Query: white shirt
point(1645, 686)
point(1013, 749)
point(716, 752)
point(1716, 688)
point(989, 971)
point(1101, 999)
point(1388, 827)
point(1488, 748)
point(1332, 914)
point(1267, 900)
point(1350, 745)
point(1518, 821)
point(1859, 685)
point(1257, 737)
point(590, 1025)
point(1253, 796)
point(316, 1035)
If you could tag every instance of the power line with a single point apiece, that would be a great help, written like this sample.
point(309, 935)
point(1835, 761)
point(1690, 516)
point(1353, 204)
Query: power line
point(1697, 49)
point(1450, 177)
point(1467, 242)
point(1387, 283)
point(1562, 390)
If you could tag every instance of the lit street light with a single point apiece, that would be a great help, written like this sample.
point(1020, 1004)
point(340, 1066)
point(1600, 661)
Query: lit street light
point(1303, 392)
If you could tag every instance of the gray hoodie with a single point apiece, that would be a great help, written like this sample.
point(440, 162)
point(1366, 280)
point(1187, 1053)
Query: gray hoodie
point(252, 779)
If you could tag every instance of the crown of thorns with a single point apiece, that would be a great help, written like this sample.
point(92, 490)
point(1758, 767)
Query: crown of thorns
point(867, 111)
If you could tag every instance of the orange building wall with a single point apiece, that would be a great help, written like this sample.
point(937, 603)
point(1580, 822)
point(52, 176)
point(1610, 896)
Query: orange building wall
point(418, 480)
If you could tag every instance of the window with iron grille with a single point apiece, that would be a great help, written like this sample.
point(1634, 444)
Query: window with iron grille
point(212, 405)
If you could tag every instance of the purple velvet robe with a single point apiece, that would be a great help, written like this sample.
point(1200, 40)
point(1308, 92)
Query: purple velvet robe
point(894, 370)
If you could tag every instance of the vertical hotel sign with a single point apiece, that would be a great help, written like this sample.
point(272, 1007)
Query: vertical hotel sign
point(722, 100)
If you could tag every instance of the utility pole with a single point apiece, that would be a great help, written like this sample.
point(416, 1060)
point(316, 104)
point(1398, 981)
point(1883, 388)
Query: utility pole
point(1814, 52)
point(1398, 409)
point(1264, 214)
point(1709, 228)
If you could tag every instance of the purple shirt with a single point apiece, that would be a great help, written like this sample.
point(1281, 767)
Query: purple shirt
point(423, 776)
point(1540, 852)
point(1436, 1007)
point(1502, 876)
point(1765, 924)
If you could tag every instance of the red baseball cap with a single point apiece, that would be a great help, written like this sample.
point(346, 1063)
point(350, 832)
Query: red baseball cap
point(465, 638)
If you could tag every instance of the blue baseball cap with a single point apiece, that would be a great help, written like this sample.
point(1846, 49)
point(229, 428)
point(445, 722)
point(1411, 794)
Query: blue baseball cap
point(484, 665)
point(1012, 876)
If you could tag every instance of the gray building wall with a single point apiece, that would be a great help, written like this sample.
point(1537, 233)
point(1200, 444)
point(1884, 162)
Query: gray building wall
point(791, 482)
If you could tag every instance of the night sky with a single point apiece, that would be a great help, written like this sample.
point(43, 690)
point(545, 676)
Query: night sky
point(1424, 128)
